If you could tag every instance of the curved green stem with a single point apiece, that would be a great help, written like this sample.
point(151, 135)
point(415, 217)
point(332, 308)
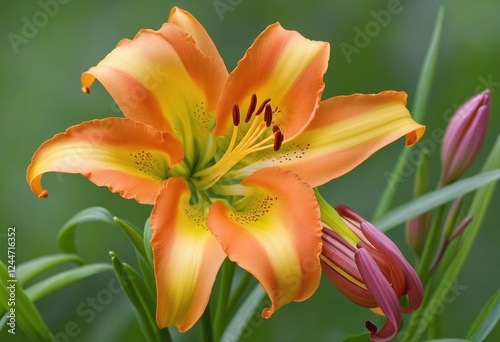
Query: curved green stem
point(430, 247)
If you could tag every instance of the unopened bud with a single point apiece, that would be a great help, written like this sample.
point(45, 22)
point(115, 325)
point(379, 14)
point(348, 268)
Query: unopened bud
point(464, 137)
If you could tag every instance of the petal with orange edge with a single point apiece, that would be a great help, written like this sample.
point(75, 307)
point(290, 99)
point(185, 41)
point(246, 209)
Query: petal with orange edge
point(187, 22)
point(283, 66)
point(186, 255)
point(163, 79)
point(273, 233)
point(345, 131)
point(108, 153)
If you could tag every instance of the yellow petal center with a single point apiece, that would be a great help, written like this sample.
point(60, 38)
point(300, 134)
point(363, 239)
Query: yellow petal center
point(261, 134)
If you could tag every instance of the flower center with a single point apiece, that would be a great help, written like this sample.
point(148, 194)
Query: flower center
point(259, 136)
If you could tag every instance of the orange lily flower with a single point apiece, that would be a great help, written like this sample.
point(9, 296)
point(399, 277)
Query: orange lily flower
point(228, 160)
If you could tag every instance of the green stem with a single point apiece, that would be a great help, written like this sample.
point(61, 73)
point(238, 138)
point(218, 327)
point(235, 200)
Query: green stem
point(418, 111)
point(206, 324)
point(431, 244)
point(236, 296)
point(221, 312)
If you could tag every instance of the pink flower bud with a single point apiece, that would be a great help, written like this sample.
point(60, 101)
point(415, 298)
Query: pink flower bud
point(464, 137)
point(371, 271)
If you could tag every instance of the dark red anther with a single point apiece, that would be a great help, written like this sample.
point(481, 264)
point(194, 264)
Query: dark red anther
point(275, 128)
point(268, 115)
point(236, 114)
point(262, 106)
point(251, 108)
point(278, 140)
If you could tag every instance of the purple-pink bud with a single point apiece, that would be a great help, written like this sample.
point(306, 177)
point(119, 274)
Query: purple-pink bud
point(464, 137)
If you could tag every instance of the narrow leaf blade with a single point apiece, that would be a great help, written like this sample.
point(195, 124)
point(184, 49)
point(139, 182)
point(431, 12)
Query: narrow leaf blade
point(487, 319)
point(434, 199)
point(30, 269)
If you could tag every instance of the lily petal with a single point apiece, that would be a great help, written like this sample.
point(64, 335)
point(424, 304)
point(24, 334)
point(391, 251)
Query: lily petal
point(187, 22)
point(383, 294)
point(409, 284)
point(345, 131)
point(186, 255)
point(283, 66)
point(163, 79)
point(275, 234)
point(107, 153)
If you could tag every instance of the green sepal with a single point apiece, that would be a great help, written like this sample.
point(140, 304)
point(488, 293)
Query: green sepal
point(27, 316)
point(331, 218)
point(140, 297)
point(30, 269)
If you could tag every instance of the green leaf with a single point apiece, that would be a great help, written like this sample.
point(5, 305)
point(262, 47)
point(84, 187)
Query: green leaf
point(146, 263)
point(434, 199)
point(66, 238)
point(60, 280)
point(27, 317)
point(132, 234)
point(141, 299)
point(365, 337)
point(147, 235)
point(240, 320)
point(487, 319)
point(478, 208)
point(30, 269)
point(418, 111)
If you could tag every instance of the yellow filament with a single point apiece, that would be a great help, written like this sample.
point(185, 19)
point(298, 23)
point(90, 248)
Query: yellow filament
point(235, 153)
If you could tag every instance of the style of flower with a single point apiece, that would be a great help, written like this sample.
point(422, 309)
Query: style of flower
point(228, 160)
point(368, 268)
point(464, 137)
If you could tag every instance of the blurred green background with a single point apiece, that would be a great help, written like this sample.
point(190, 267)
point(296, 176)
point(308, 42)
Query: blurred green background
point(40, 95)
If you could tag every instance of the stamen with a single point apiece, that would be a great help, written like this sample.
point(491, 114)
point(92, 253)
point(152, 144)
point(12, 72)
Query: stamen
point(251, 108)
point(268, 115)
point(236, 115)
point(278, 140)
point(275, 128)
point(262, 106)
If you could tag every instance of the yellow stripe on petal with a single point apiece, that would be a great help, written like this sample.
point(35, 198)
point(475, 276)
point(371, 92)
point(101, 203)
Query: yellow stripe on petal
point(127, 156)
point(283, 66)
point(345, 131)
point(186, 255)
point(163, 79)
point(275, 234)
